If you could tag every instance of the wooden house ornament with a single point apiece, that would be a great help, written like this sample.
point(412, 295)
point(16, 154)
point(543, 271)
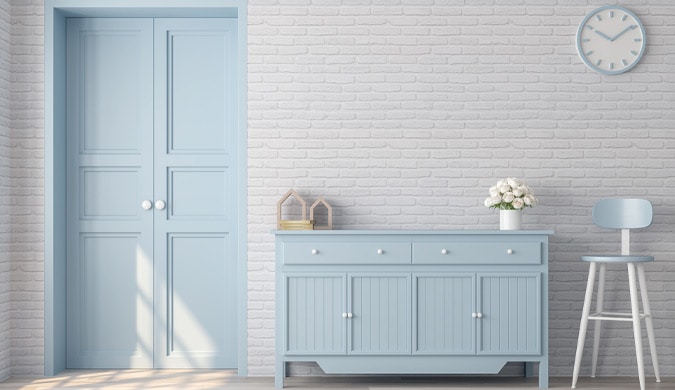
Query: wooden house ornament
point(284, 198)
point(329, 211)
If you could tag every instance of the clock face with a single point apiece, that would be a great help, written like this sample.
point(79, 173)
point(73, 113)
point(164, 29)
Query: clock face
point(611, 40)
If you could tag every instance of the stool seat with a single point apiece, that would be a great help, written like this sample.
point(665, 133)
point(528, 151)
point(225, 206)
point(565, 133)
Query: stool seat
point(617, 259)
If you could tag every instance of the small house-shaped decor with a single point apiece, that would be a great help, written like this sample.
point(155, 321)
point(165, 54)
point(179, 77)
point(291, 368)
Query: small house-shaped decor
point(303, 223)
point(329, 211)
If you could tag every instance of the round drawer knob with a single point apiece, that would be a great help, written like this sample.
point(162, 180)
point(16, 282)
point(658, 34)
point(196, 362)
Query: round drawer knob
point(344, 315)
point(479, 315)
point(146, 205)
point(509, 251)
point(380, 251)
point(314, 251)
point(474, 315)
point(350, 315)
point(444, 251)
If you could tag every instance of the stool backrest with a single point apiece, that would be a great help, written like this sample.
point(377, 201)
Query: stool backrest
point(617, 213)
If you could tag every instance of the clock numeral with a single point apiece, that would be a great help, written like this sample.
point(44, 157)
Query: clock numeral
point(623, 19)
point(586, 40)
point(598, 17)
point(633, 52)
point(611, 65)
point(611, 14)
point(588, 53)
point(590, 27)
point(624, 62)
point(637, 40)
point(598, 62)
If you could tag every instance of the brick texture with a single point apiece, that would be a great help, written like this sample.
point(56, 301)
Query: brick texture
point(5, 199)
point(401, 113)
point(27, 187)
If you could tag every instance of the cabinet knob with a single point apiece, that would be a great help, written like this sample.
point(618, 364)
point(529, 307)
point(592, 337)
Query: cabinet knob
point(479, 315)
point(350, 315)
point(444, 251)
point(146, 205)
point(380, 251)
point(509, 251)
point(314, 251)
point(344, 315)
point(160, 205)
point(474, 315)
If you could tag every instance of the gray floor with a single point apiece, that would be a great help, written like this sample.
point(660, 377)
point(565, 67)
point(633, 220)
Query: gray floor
point(208, 379)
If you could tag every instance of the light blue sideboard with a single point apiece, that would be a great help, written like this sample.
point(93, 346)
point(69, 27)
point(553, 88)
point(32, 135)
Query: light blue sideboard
point(412, 301)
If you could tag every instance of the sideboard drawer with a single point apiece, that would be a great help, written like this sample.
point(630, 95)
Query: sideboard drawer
point(477, 252)
point(347, 252)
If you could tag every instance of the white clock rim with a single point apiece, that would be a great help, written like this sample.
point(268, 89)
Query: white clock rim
point(590, 64)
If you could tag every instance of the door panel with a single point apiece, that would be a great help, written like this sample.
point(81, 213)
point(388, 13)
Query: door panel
point(112, 106)
point(199, 84)
point(194, 130)
point(110, 193)
point(109, 169)
point(199, 193)
point(194, 324)
point(108, 281)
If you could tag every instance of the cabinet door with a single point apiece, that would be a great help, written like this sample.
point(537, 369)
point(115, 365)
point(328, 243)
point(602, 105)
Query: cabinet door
point(381, 314)
point(511, 308)
point(443, 307)
point(314, 321)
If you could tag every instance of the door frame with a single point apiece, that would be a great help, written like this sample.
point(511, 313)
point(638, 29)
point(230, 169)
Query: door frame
point(56, 12)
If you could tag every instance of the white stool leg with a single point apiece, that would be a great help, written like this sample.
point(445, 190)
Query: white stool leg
point(598, 324)
point(648, 320)
point(635, 310)
point(584, 324)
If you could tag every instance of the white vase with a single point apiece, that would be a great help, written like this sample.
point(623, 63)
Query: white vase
point(510, 219)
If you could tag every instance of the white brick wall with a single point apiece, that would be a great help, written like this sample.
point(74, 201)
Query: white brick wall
point(5, 200)
point(27, 187)
point(403, 113)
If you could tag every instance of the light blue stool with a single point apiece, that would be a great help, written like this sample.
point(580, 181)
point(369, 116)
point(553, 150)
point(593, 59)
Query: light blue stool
point(621, 214)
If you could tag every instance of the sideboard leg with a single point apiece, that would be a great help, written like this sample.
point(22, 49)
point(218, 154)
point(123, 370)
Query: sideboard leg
point(543, 374)
point(279, 374)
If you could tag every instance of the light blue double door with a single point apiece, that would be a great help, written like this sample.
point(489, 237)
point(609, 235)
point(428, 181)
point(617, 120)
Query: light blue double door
point(151, 178)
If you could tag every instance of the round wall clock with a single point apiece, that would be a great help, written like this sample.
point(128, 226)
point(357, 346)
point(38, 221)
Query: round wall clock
point(611, 40)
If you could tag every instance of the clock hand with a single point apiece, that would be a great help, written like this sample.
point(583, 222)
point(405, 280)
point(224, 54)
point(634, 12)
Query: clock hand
point(603, 35)
point(623, 32)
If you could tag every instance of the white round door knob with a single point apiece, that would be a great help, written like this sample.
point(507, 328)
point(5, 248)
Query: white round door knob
point(314, 251)
point(479, 315)
point(344, 315)
point(146, 204)
point(474, 315)
point(160, 205)
point(380, 251)
point(350, 315)
point(509, 251)
point(444, 251)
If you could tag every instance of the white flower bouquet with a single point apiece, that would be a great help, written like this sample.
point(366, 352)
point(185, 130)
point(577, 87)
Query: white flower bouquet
point(511, 194)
